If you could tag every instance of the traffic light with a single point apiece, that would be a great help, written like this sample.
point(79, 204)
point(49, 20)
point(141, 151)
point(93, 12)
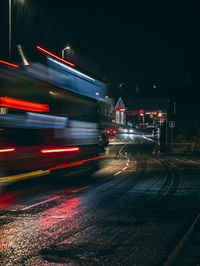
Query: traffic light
point(141, 111)
point(155, 113)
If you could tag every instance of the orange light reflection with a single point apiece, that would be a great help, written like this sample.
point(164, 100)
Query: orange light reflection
point(75, 163)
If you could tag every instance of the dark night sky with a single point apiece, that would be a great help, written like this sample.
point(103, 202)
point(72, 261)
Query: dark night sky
point(139, 44)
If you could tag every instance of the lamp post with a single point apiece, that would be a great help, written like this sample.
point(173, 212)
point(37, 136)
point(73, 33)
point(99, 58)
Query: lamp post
point(10, 28)
point(63, 50)
point(9, 22)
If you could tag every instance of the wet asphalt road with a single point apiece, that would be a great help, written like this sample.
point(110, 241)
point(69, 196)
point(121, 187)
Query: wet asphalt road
point(134, 211)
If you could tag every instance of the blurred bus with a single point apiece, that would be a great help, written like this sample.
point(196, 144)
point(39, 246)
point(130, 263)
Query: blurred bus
point(49, 119)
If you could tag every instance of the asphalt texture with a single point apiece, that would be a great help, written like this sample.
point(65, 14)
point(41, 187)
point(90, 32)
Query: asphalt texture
point(135, 210)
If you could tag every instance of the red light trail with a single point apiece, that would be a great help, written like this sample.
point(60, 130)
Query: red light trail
point(23, 105)
point(8, 64)
point(7, 150)
point(75, 163)
point(60, 150)
point(55, 56)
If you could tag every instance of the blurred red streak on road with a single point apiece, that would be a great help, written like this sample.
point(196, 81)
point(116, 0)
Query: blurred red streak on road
point(7, 199)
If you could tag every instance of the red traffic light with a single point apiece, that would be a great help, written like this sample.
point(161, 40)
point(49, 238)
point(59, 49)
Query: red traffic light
point(155, 113)
point(141, 111)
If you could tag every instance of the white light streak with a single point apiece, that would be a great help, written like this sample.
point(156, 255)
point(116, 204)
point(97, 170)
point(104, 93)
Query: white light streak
point(71, 69)
point(25, 62)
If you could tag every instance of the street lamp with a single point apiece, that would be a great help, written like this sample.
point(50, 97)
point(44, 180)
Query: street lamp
point(9, 30)
point(10, 27)
point(63, 50)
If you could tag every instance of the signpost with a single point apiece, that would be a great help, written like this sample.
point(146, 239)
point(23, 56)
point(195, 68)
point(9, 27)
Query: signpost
point(171, 125)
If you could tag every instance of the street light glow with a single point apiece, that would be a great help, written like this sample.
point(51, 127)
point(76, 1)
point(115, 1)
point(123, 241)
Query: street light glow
point(63, 50)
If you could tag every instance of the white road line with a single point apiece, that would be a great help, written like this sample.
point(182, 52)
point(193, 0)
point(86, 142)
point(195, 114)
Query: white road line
point(190, 161)
point(44, 201)
point(148, 138)
point(178, 248)
point(57, 217)
point(79, 189)
point(117, 143)
point(123, 154)
point(128, 160)
point(118, 173)
point(121, 150)
point(39, 203)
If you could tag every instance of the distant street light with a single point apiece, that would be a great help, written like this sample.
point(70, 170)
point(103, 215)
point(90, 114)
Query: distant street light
point(63, 50)
point(121, 84)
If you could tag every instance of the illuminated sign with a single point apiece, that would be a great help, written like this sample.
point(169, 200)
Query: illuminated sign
point(172, 124)
point(120, 109)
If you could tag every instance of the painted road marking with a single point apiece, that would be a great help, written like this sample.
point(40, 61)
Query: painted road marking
point(178, 248)
point(118, 173)
point(148, 138)
point(44, 201)
point(24, 176)
point(128, 160)
point(39, 203)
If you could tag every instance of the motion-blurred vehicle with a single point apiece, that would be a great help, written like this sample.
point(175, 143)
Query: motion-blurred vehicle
point(45, 125)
